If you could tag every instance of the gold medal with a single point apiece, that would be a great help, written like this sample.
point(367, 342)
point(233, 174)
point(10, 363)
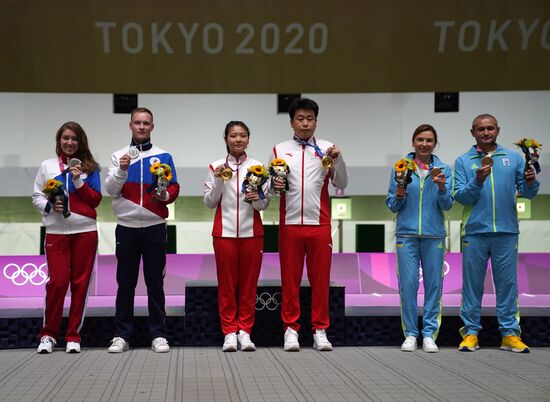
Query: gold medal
point(327, 162)
point(226, 174)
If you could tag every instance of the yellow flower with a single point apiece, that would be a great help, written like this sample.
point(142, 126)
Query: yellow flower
point(278, 162)
point(50, 186)
point(154, 167)
point(529, 143)
point(168, 174)
point(400, 165)
point(258, 170)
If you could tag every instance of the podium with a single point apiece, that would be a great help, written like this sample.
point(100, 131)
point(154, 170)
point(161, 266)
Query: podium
point(202, 324)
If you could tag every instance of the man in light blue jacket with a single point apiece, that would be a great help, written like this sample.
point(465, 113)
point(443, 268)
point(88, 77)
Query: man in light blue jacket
point(486, 181)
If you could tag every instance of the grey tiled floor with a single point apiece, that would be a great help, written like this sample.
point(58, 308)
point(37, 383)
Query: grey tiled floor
point(270, 374)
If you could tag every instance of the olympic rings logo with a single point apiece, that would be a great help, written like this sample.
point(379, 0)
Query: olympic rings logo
point(446, 270)
point(267, 301)
point(29, 272)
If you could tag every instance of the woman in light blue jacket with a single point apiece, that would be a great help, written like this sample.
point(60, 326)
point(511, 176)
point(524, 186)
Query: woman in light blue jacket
point(420, 236)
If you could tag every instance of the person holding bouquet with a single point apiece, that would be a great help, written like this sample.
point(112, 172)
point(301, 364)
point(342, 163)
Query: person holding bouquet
point(142, 181)
point(487, 179)
point(304, 228)
point(66, 193)
point(419, 192)
point(236, 186)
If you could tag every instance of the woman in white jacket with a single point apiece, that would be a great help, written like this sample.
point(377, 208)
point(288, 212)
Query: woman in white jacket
point(67, 193)
point(238, 236)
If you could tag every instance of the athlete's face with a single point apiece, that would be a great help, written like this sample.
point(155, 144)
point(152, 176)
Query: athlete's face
point(424, 144)
point(485, 131)
point(304, 123)
point(237, 140)
point(68, 142)
point(141, 125)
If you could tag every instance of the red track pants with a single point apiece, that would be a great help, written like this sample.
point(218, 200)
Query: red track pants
point(238, 263)
point(70, 260)
point(314, 243)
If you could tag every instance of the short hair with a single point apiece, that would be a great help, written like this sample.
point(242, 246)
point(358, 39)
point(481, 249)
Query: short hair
point(83, 152)
point(483, 116)
point(304, 104)
point(234, 123)
point(425, 127)
point(141, 110)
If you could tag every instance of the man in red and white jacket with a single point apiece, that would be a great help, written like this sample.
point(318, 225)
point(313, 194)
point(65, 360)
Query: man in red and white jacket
point(304, 227)
point(139, 201)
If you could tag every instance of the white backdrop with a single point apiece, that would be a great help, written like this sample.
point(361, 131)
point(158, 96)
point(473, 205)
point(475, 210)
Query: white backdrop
point(373, 130)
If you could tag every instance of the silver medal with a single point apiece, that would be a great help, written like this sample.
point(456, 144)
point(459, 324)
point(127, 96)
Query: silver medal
point(74, 162)
point(133, 152)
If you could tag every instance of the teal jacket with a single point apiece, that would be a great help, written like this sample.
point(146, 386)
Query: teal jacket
point(491, 207)
point(420, 213)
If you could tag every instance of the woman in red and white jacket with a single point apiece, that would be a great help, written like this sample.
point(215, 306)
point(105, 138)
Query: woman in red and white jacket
point(238, 237)
point(71, 240)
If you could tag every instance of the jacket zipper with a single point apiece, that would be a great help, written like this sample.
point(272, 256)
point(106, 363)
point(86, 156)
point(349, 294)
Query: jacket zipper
point(238, 200)
point(302, 209)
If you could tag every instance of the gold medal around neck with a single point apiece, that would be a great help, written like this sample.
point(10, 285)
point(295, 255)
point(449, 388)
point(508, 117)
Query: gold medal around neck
point(487, 161)
point(226, 174)
point(327, 162)
point(434, 172)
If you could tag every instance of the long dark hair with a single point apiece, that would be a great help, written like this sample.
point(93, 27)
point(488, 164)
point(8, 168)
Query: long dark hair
point(83, 153)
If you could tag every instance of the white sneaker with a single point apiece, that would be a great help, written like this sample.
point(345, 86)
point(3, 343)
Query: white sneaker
point(118, 345)
point(160, 345)
point(409, 345)
point(429, 346)
point(73, 347)
point(230, 343)
point(46, 345)
point(244, 341)
point(320, 341)
point(291, 341)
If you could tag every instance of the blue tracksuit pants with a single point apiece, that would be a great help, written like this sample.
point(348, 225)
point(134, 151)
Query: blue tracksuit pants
point(503, 251)
point(411, 251)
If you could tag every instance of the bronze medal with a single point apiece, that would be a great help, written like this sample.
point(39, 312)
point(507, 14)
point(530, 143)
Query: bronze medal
point(434, 172)
point(487, 161)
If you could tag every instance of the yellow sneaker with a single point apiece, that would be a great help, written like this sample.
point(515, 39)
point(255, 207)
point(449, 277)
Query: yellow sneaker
point(513, 343)
point(469, 344)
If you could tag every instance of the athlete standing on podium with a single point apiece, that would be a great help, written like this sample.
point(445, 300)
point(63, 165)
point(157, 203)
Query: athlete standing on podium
point(304, 227)
point(238, 237)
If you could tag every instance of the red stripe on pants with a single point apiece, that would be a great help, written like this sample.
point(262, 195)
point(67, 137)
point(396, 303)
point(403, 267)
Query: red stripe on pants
point(315, 244)
point(238, 263)
point(70, 261)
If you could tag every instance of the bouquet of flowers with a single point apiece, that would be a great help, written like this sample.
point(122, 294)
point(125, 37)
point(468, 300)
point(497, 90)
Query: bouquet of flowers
point(162, 174)
point(404, 168)
point(279, 168)
point(530, 148)
point(54, 191)
point(255, 178)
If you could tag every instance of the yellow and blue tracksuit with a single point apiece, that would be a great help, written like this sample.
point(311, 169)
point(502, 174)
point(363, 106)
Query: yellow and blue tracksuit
point(420, 237)
point(490, 229)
